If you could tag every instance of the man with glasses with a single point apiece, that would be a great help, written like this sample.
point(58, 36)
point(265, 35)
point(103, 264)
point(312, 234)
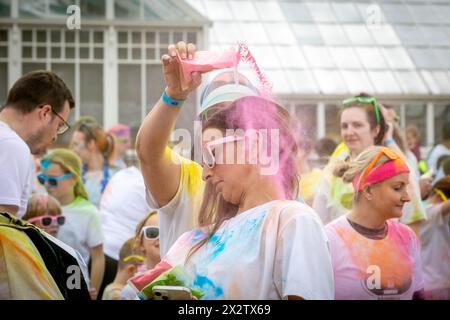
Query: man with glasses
point(36, 111)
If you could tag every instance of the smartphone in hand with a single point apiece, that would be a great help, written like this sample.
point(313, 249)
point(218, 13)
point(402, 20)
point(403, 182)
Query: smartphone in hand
point(172, 293)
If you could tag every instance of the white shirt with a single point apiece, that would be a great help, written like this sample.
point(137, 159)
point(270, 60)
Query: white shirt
point(122, 207)
point(82, 230)
point(367, 269)
point(270, 252)
point(16, 170)
point(435, 237)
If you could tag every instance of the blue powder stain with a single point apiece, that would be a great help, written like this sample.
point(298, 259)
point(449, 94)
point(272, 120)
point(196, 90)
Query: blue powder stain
point(209, 288)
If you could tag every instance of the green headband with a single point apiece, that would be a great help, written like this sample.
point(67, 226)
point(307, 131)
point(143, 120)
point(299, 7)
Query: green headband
point(368, 100)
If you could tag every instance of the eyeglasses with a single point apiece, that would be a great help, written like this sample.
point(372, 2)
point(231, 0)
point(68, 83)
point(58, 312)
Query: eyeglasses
point(48, 220)
point(63, 126)
point(369, 100)
point(151, 232)
point(207, 153)
point(52, 181)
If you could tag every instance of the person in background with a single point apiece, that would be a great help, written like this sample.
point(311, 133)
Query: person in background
point(435, 239)
point(324, 148)
point(129, 263)
point(61, 175)
point(373, 255)
point(44, 212)
point(413, 140)
point(122, 142)
point(440, 150)
point(309, 177)
point(95, 148)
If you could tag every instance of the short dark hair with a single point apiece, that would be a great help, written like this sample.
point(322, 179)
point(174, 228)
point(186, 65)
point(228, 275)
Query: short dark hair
point(39, 88)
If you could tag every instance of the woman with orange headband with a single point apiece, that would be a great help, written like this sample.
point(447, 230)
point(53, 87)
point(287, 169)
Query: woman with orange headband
point(374, 256)
point(435, 238)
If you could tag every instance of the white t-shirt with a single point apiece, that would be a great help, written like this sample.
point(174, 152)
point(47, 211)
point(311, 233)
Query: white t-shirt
point(16, 170)
point(367, 269)
point(82, 230)
point(268, 252)
point(435, 237)
point(122, 207)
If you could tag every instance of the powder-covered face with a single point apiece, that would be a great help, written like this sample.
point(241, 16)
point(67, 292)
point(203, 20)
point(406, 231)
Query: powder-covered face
point(356, 131)
point(232, 169)
point(390, 196)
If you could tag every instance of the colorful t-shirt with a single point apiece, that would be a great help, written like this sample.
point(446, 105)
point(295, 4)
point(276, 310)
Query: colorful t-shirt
point(367, 269)
point(23, 274)
point(271, 251)
point(82, 229)
point(435, 237)
point(180, 214)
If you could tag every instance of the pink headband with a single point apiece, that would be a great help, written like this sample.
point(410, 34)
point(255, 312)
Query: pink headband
point(382, 172)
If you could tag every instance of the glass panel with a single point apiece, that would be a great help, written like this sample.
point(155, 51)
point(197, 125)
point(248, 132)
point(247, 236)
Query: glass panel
point(384, 82)
point(178, 36)
point(32, 8)
point(347, 12)
point(443, 56)
point(84, 36)
point(84, 53)
point(269, 11)
point(31, 66)
point(397, 13)
point(318, 57)
point(409, 35)
point(291, 57)
point(441, 119)
point(123, 37)
point(123, 53)
point(41, 36)
point(424, 58)
point(279, 81)
point(27, 36)
point(330, 82)
point(443, 12)
point(93, 8)
point(27, 52)
point(192, 37)
point(3, 52)
point(5, 9)
point(254, 33)
point(435, 35)
point(91, 91)
point(411, 82)
point(3, 82)
point(225, 32)
point(357, 81)
point(415, 114)
point(155, 85)
point(243, 10)
point(127, 9)
point(56, 53)
point(296, 12)
point(385, 35)
point(41, 52)
point(302, 81)
point(437, 81)
point(423, 14)
point(443, 80)
point(398, 58)
point(3, 35)
point(136, 38)
point(333, 34)
point(307, 34)
point(358, 34)
point(265, 56)
point(55, 36)
point(164, 38)
point(217, 10)
point(345, 58)
point(98, 37)
point(280, 33)
point(150, 38)
point(130, 94)
point(98, 53)
point(70, 53)
point(321, 12)
point(333, 130)
point(136, 53)
point(371, 58)
point(70, 36)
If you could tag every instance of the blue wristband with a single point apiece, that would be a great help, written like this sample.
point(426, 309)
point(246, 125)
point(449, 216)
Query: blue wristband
point(171, 102)
point(389, 142)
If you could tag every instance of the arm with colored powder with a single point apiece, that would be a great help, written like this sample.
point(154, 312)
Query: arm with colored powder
point(154, 134)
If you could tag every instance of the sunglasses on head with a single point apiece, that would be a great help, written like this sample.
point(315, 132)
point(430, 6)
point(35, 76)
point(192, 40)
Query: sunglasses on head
point(368, 100)
point(48, 220)
point(207, 152)
point(52, 181)
point(151, 232)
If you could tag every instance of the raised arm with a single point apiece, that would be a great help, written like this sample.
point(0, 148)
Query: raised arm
point(161, 174)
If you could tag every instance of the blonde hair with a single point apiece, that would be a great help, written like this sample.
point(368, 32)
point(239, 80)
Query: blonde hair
point(41, 205)
point(349, 169)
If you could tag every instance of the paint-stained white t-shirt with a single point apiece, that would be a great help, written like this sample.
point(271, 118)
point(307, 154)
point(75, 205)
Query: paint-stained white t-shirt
point(272, 251)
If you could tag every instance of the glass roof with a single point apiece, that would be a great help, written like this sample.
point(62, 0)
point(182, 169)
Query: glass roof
point(341, 46)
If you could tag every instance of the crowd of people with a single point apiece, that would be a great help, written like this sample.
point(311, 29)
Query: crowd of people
point(364, 218)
